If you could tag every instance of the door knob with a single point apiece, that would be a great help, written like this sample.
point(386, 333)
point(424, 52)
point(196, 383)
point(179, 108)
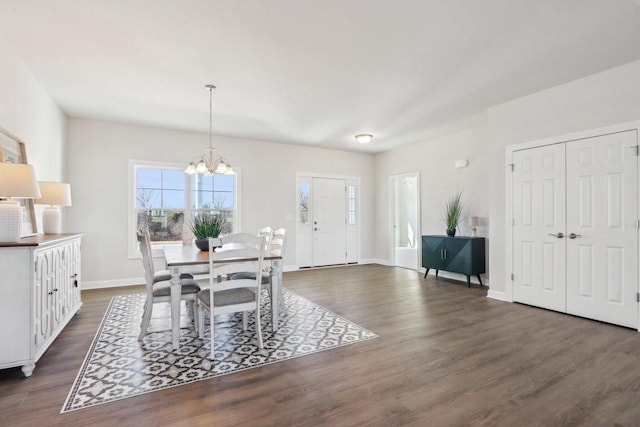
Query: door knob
point(558, 235)
point(574, 235)
point(315, 229)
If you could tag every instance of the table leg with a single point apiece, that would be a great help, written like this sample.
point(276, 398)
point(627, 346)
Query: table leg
point(175, 307)
point(275, 294)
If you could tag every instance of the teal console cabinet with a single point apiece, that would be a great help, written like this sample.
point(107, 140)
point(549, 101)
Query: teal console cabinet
point(464, 255)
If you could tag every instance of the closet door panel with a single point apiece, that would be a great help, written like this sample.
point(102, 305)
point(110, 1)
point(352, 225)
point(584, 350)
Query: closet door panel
point(539, 216)
point(602, 243)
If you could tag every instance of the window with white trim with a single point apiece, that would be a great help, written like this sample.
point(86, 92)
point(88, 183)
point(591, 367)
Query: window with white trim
point(163, 196)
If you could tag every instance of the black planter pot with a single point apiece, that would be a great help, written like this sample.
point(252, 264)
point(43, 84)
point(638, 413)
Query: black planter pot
point(202, 244)
point(451, 232)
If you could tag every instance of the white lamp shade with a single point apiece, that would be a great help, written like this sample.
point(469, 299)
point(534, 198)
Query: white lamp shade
point(473, 221)
point(54, 193)
point(18, 180)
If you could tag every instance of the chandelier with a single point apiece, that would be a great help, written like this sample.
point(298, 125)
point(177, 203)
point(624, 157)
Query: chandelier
point(208, 163)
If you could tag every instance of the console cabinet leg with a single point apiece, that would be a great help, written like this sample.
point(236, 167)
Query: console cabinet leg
point(468, 281)
point(426, 272)
point(480, 280)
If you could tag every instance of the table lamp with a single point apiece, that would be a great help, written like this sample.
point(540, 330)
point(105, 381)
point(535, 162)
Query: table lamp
point(473, 223)
point(16, 181)
point(54, 194)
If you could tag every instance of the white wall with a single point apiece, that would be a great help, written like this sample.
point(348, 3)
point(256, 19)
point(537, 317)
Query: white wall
point(27, 112)
point(602, 99)
point(439, 180)
point(98, 154)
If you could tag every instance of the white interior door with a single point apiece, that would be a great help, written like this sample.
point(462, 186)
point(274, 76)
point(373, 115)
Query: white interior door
point(539, 249)
point(602, 244)
point(329, 221)
point(405, 220)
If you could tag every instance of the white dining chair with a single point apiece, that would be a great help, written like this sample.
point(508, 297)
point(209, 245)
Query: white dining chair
point(268, 233)
point(277, 246)
point(162, 275)
point(233, 295)
point(160, 291)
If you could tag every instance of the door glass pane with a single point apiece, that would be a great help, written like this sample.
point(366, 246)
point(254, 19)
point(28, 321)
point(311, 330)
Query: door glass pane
point(351, 204)
point(303, 209)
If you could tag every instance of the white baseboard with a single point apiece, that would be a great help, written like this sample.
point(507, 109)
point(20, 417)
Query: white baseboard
point(499, 295)
point(115, 283)
point(374, 261)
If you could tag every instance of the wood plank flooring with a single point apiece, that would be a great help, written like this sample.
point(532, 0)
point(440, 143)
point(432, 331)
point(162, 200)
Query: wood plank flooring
point(446, 356)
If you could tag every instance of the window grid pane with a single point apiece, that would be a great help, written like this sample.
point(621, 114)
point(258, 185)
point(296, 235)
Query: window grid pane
point(164, 225)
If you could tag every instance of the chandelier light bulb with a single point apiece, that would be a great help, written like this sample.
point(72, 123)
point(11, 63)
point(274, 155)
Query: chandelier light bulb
point(202, 167)
point(191, 169)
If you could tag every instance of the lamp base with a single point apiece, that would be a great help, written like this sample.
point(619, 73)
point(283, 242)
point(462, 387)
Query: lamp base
point(51, 220)
point(10, 221)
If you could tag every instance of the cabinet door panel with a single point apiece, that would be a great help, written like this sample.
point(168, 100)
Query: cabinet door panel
point(458, 255)
point(432, 247)
point(42, 298)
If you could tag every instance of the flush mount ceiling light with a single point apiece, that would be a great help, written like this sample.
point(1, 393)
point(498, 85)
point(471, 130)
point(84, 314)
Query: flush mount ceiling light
point(209, 164)
point(364, 138)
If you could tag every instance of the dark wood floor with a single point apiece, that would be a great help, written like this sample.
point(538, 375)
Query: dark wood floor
point(446, 355)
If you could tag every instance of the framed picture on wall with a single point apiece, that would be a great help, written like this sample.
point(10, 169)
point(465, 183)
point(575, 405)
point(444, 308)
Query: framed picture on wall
point(12, 150)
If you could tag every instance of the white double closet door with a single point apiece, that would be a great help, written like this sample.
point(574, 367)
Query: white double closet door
point(575, 230)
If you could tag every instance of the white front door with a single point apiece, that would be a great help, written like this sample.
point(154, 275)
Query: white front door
point(329, 222)
point(539, 251)
point(602, 240)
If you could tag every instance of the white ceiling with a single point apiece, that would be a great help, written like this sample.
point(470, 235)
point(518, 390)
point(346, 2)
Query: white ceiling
point(313, 72)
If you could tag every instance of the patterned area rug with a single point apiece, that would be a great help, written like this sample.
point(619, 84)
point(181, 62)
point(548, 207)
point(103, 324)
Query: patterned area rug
point(117, 366)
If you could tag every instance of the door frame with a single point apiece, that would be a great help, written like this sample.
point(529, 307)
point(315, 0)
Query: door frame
point(300, 176)
point(391, 236)
point(509, 151)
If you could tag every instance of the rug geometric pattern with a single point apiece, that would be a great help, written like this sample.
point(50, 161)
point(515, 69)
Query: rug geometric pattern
point(117, 366)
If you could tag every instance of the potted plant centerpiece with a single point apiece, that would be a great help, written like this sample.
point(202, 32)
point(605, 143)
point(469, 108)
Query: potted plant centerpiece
point(205, 226)
point(453, 213)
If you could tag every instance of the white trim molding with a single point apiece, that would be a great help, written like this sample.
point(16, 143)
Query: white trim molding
point(497, 295)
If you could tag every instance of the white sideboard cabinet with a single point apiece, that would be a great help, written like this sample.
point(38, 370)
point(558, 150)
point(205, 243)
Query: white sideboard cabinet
point(40, 283)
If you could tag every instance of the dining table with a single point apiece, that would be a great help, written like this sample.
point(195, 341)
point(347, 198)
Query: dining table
point(181, 259)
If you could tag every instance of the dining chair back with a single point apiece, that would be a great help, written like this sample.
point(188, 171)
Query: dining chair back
point(233, 295)
point(268, 233)
point(278, 247)
point(159, 291)
point(161, 275)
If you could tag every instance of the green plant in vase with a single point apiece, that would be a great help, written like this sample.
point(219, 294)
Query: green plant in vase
point(205, 226)
point(453, 213)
